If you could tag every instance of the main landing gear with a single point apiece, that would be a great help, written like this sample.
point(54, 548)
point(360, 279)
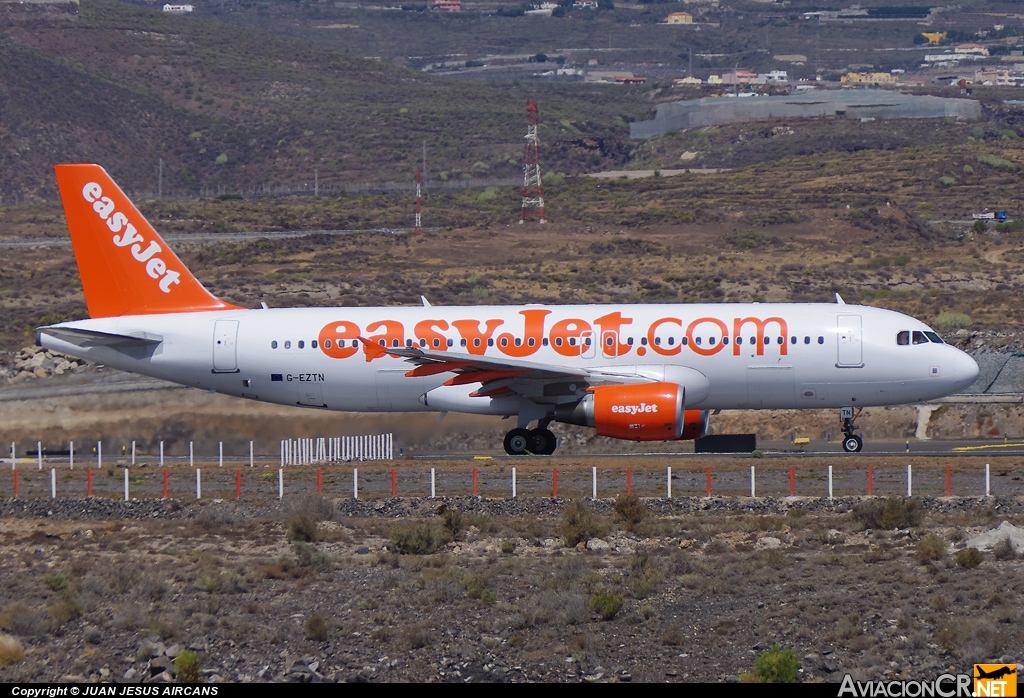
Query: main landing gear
point(852, 443)
point(539, 442)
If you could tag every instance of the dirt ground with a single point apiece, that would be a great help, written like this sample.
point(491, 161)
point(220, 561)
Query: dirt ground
point(337, 590)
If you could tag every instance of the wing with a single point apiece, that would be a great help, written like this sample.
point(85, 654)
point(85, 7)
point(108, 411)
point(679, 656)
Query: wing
point(503, 376)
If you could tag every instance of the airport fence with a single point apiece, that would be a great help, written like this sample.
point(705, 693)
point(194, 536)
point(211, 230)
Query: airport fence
point(496, 478)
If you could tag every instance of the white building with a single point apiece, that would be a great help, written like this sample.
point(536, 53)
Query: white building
point(179, 9)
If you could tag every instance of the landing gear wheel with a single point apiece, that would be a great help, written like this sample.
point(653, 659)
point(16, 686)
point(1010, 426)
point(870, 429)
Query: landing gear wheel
point(544, 442)
point(853, 443)
point(518, 442)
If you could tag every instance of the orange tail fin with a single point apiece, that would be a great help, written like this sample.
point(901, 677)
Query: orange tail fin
point(126, 268)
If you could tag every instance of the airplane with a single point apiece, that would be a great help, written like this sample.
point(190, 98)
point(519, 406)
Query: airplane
point(633, 372)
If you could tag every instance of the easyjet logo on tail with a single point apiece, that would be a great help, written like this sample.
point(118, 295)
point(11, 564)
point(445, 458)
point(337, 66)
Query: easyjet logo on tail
point(128, 236)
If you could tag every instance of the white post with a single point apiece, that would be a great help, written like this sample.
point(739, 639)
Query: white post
point(99, 454)
point(753, 492)
point(355, 483)
point(220, 454)
point(199, 483)
point(282, 453)
point(280, 483)
point(250, 454)
point(988, 481)
point(513, 483)
point(432, 483)
point(391, 446)
point(910, 488)
point(830, 482)
point(593, 482)
point(71, 455)
point(191, 459)
point(126, 484)
point(668, 483)
point(13, 451)
point(39, 453)
point(133, 452)
point(161, 454)
point(53, 483)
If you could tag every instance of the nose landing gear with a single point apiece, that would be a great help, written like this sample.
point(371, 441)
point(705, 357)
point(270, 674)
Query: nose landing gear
point(852, 443)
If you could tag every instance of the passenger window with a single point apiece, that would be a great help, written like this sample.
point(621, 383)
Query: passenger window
point(341, 343)
point(919, 338)
point(518, 341)
point(792, 340)
point(903, 338)
point(504, 341)
point(685, 341)
point(807, 340)
point(287, 344)
point(532, 342)
point(725, 340)
point(696, 341)
point(273, 345)
point(303, 344)
point(394, 343)
point(711, 341)
point(643, 341)
point(821, 340)
point(587, 341)
point(629, 341)
point(451, 342)
point(934, 337)
point(437, 343)
point(408, 342)
point(657, 341)
point(423, 342)
point(767, 341)
point(572, 341)
point(739, 340)
point(753, 341)
point(463, 342)
point(476, 342)
point(610, 341)
point(313, 343)
point(327, 343)
point(490, 342)
point(558, 341)
point(544, 341)
point(382, 342)
point(782, 340)
point(671, 341)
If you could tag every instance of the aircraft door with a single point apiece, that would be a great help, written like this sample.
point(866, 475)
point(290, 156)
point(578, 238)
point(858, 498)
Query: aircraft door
point(588, 350)
point(609, 344)
point(225, 338)
point(849, 336)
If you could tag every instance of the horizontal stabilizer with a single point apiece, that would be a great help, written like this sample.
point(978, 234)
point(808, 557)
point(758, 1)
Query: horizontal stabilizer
point(92, 338)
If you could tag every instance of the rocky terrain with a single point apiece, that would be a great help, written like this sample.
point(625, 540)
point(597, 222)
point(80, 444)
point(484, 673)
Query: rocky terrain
point(505, 590)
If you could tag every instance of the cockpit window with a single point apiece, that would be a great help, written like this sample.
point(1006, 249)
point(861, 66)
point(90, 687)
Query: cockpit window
point(934, 337)
point(903, 338)
point(919, 338)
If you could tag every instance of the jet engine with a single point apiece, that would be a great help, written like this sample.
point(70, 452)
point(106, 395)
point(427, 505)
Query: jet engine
point(638, 412)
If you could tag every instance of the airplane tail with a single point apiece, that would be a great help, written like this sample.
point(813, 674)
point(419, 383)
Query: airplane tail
point(125, 267)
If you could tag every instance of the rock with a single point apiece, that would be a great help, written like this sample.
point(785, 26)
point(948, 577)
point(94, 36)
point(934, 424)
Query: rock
point(597, 545)
point(768, 543)
point(989, 539)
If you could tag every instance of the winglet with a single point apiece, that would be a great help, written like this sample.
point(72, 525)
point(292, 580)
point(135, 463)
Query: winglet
point(124, 265)
point(839, 299)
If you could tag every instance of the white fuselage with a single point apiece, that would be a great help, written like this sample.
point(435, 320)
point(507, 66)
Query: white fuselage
point(753, 355)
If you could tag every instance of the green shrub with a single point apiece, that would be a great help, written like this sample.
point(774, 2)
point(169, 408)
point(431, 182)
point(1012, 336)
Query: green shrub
point(578, 524)
point(605, 604)
point(776, 665)
point(453, 521)
point(508, 546)
point(421, 538)
point(187, 667)
point(947, 181)
point(316, 628)
point(11, 650)
point(1004, 550)
point(56, 582)
point(969, 558)
point(629, 509)
point(892, 513)
point(997, 162)
point(930, 548)
point(947, 321)
point(304, 528)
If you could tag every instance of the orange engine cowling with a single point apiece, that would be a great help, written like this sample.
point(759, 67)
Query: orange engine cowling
point(648, 412)
point(644, 412)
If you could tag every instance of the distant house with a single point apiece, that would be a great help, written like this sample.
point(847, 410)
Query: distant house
point(776, 76)
point(631, 79)
point(448, 5)
point(714, 79)
point(689, 80)
point(679, 18)
point(934, 37)
point(869, 79)
point(971, 50)
point(178, 9)
point(740, 76)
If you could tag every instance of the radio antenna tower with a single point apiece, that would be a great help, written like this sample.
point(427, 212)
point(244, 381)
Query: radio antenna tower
point(419, 200)
point(533, 196)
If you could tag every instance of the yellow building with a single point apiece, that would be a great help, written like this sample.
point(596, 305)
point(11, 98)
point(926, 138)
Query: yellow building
point(679, 18)
point(868, 79)
point(934, 37)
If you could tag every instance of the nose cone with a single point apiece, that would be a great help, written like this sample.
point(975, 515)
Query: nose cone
point(965, 372)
